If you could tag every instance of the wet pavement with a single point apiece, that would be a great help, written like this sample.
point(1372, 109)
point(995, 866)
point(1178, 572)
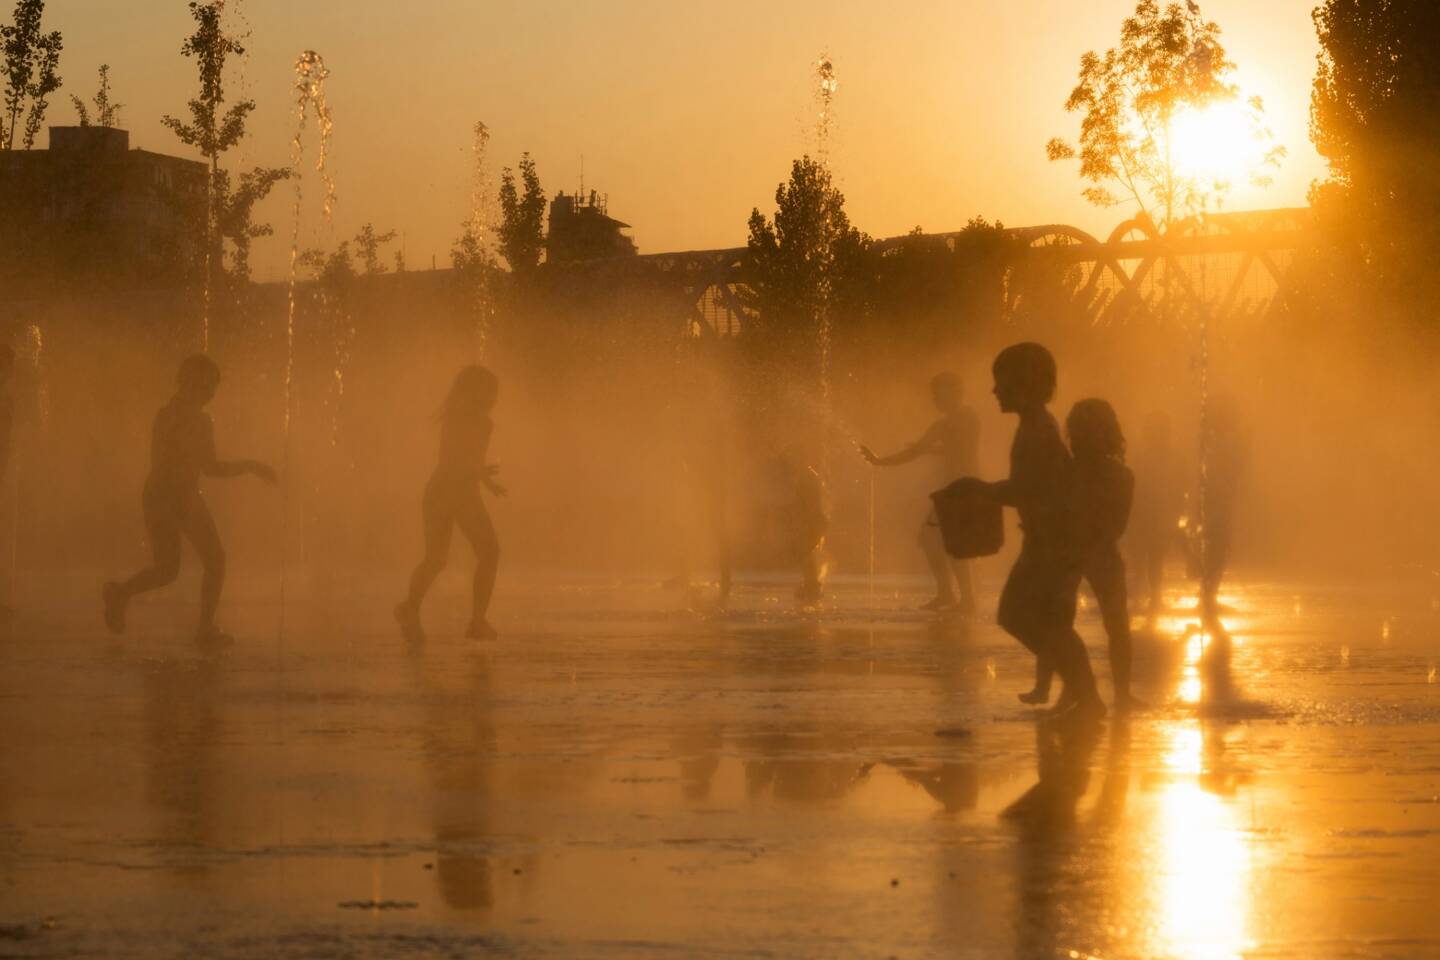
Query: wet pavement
point(615, 777)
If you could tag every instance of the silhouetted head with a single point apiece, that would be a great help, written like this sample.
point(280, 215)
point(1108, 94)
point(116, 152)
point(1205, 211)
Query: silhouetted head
point(1024, 377)
point(473, 393)
point(1094, 431)
point(946, 391)
point(198, 378)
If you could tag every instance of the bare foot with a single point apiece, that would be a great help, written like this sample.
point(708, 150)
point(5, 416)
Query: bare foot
point(480, 629)
point(1035, 697)
point(409, 619)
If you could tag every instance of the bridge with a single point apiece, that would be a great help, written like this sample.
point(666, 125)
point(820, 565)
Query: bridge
point(1223, 261)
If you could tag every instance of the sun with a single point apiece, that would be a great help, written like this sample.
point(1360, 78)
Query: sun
point(1220, 144)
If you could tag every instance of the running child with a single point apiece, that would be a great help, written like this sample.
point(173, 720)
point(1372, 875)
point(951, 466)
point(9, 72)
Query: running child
point(452, 499)
point(182, 450)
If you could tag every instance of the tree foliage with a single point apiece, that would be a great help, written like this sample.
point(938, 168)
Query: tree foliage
point(107, 111)
point(522, 217)
point(1169, 59)
point(368, 243)
point(806, 261)
point(211, 130)
point(234, 213)
point(333, 271)
point(31, 58)
point(1375, 117)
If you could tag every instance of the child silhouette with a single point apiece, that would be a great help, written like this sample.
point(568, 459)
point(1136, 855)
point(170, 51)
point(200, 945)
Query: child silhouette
point(953, 441)
point(452, 499)
point(1037, 605)
point(1101, 491)
point(182, 450)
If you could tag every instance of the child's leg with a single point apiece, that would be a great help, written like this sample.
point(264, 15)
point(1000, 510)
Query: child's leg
point(200, 531)
point(1044, 672)
point(933, 544)
point(1106, 576)
point(437, 518)
point(1017, 617)
point(1016, 613)
point(162, 525)
point(474, 522)
point(966, 581)
point(1056, 584)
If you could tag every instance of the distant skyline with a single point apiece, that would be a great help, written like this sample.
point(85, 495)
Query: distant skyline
point(686, 116)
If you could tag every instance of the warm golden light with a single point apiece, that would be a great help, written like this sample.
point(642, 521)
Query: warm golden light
point(1218, 144)
point(1206, 862)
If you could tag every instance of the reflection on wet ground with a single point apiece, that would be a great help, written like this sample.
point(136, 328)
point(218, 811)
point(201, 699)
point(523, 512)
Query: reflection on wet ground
point(616, 778)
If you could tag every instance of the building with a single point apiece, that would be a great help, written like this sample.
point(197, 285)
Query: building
point(91, 209)
point(581, 229)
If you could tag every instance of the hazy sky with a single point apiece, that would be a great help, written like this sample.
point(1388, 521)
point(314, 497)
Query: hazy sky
point(686, 114)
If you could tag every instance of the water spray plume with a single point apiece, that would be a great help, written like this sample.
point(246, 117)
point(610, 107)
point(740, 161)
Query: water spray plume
point(309, 90)
point(825, 86)
point(479, 230)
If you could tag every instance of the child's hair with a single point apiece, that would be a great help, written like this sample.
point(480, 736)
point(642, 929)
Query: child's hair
point(197, 370)
point(1031, 365)
point(474, 391)
point(1094, 431)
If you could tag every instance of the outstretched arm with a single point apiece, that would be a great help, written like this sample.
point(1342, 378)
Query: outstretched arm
point(213, 466)
point(929, 443)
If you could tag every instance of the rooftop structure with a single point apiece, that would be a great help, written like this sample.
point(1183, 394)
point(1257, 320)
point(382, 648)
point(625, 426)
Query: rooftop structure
point(582, 229)
point(91, 207)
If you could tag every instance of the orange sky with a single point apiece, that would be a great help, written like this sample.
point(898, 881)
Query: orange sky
point(687, 115)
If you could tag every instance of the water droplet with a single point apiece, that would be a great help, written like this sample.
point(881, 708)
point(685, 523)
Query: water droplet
point(990, 668)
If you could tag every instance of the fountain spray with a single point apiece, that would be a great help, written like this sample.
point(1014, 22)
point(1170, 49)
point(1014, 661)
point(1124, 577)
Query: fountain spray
point(479, 230)
point(309, 91)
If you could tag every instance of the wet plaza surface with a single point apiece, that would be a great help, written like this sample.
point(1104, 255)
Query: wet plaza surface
point(615, 777)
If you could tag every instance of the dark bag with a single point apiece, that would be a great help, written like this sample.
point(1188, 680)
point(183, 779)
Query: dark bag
point(971, 521)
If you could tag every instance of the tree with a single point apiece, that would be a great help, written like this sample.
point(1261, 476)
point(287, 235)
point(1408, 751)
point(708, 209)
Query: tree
point(234, 219)
point(468, 253)
point(804, 263)
point(1375, 117)
point(333, 271)
point(213, 130)
point(1169, 60)
point(31, 59)
point(107, 112)
point(210, 131)
point(521, 232)
point(368, 242)
point(929, 292)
